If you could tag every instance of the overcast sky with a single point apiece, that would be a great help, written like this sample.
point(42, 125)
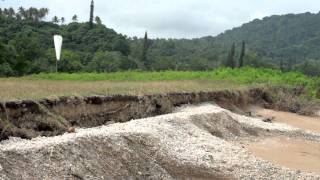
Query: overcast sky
point(170, 18)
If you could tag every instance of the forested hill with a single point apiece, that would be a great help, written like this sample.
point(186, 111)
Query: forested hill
point(288, 42)
point(290, 37)
point(26, 44)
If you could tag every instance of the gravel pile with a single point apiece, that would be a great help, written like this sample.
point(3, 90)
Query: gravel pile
point(183, 144)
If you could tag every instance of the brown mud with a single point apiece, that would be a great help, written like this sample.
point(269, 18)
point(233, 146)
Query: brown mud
point(291, 153)
point(292, 119)
point(294, 153)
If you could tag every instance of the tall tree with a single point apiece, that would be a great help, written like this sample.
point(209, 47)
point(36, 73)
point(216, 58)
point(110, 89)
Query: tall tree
point(75, 18)
point(62, 20)
point(98, 20)
point(145, 48)
point(43, 12)
point(230, 61)
point(22, 12)
point(243, 53)
point(11, 12)
point(6, 12)
point(55, 20)
point(91, 13)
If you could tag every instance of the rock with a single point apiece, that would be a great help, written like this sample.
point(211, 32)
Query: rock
point(268, 120)
point(71, 130)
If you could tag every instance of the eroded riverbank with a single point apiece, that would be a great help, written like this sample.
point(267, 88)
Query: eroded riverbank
point(55, 116)
point(202, 142)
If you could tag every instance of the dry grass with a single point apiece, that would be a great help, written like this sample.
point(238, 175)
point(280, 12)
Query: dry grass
point(17, 89)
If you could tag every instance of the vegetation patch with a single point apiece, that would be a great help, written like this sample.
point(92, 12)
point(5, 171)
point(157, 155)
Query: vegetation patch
point(244, 76)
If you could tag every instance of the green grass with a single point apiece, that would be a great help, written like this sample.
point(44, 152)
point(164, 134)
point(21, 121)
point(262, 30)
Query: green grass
point(133, 82)
point(245, 75)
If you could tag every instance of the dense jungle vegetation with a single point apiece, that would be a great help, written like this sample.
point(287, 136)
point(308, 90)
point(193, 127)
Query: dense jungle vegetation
point(288, 42)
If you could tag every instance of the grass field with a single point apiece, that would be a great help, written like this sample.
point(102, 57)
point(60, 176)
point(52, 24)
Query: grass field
point(138, 83)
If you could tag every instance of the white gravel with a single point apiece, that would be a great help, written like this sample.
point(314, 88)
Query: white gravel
point(169, 147)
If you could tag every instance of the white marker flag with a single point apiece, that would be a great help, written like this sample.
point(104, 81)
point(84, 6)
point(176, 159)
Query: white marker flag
point(58, 45)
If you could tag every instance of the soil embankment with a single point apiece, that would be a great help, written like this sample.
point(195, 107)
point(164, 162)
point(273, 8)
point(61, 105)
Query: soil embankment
point(50, 117)
point(197, 142)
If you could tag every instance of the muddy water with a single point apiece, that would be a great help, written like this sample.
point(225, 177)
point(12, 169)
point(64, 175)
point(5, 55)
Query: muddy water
point(303, 122)
point(290, 153)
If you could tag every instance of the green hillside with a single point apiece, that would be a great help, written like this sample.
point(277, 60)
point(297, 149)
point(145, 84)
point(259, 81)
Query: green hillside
point(287, 42)
point(26, 44)
point(292, 37)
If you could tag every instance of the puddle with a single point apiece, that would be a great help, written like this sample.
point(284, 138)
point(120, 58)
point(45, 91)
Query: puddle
point(303, 122)
point(294, 154)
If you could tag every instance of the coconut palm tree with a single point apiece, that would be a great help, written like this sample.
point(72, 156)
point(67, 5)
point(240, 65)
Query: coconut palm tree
point(55, 20)
point(22, 12)
point(75, 18)
point(63, 20)
point(11, 12)
point(6, 12)
point(43, 12)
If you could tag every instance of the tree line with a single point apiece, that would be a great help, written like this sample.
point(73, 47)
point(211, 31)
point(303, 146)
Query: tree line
point(26, 47)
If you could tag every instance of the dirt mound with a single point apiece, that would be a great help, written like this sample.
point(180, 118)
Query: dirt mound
point(190, 143)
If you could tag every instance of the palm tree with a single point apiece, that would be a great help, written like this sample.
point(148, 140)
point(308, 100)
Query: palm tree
point(35, 14)
point(55, 20)
point(32, 14)
point(22, 12)
point(11, 12)
point(43, 12)
point(18, 17)
point(6, 12)
point(75, 18)
point(63, 20)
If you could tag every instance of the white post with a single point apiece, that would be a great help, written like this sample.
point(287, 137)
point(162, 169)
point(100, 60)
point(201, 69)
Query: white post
point(58, 45)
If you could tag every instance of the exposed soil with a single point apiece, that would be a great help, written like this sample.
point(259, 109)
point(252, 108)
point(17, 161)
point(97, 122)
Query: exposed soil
point(295, 154)
point(199, 142)
point(51, 117)
point(194, 142)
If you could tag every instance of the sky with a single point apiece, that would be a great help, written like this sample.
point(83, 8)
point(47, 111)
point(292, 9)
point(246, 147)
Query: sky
point(170, 18)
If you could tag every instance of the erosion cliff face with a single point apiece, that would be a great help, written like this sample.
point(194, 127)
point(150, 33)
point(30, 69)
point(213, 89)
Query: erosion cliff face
point(193, 142)
point(50, 117)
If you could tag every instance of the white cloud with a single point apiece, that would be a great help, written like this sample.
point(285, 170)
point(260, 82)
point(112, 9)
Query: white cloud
point(170, 18)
